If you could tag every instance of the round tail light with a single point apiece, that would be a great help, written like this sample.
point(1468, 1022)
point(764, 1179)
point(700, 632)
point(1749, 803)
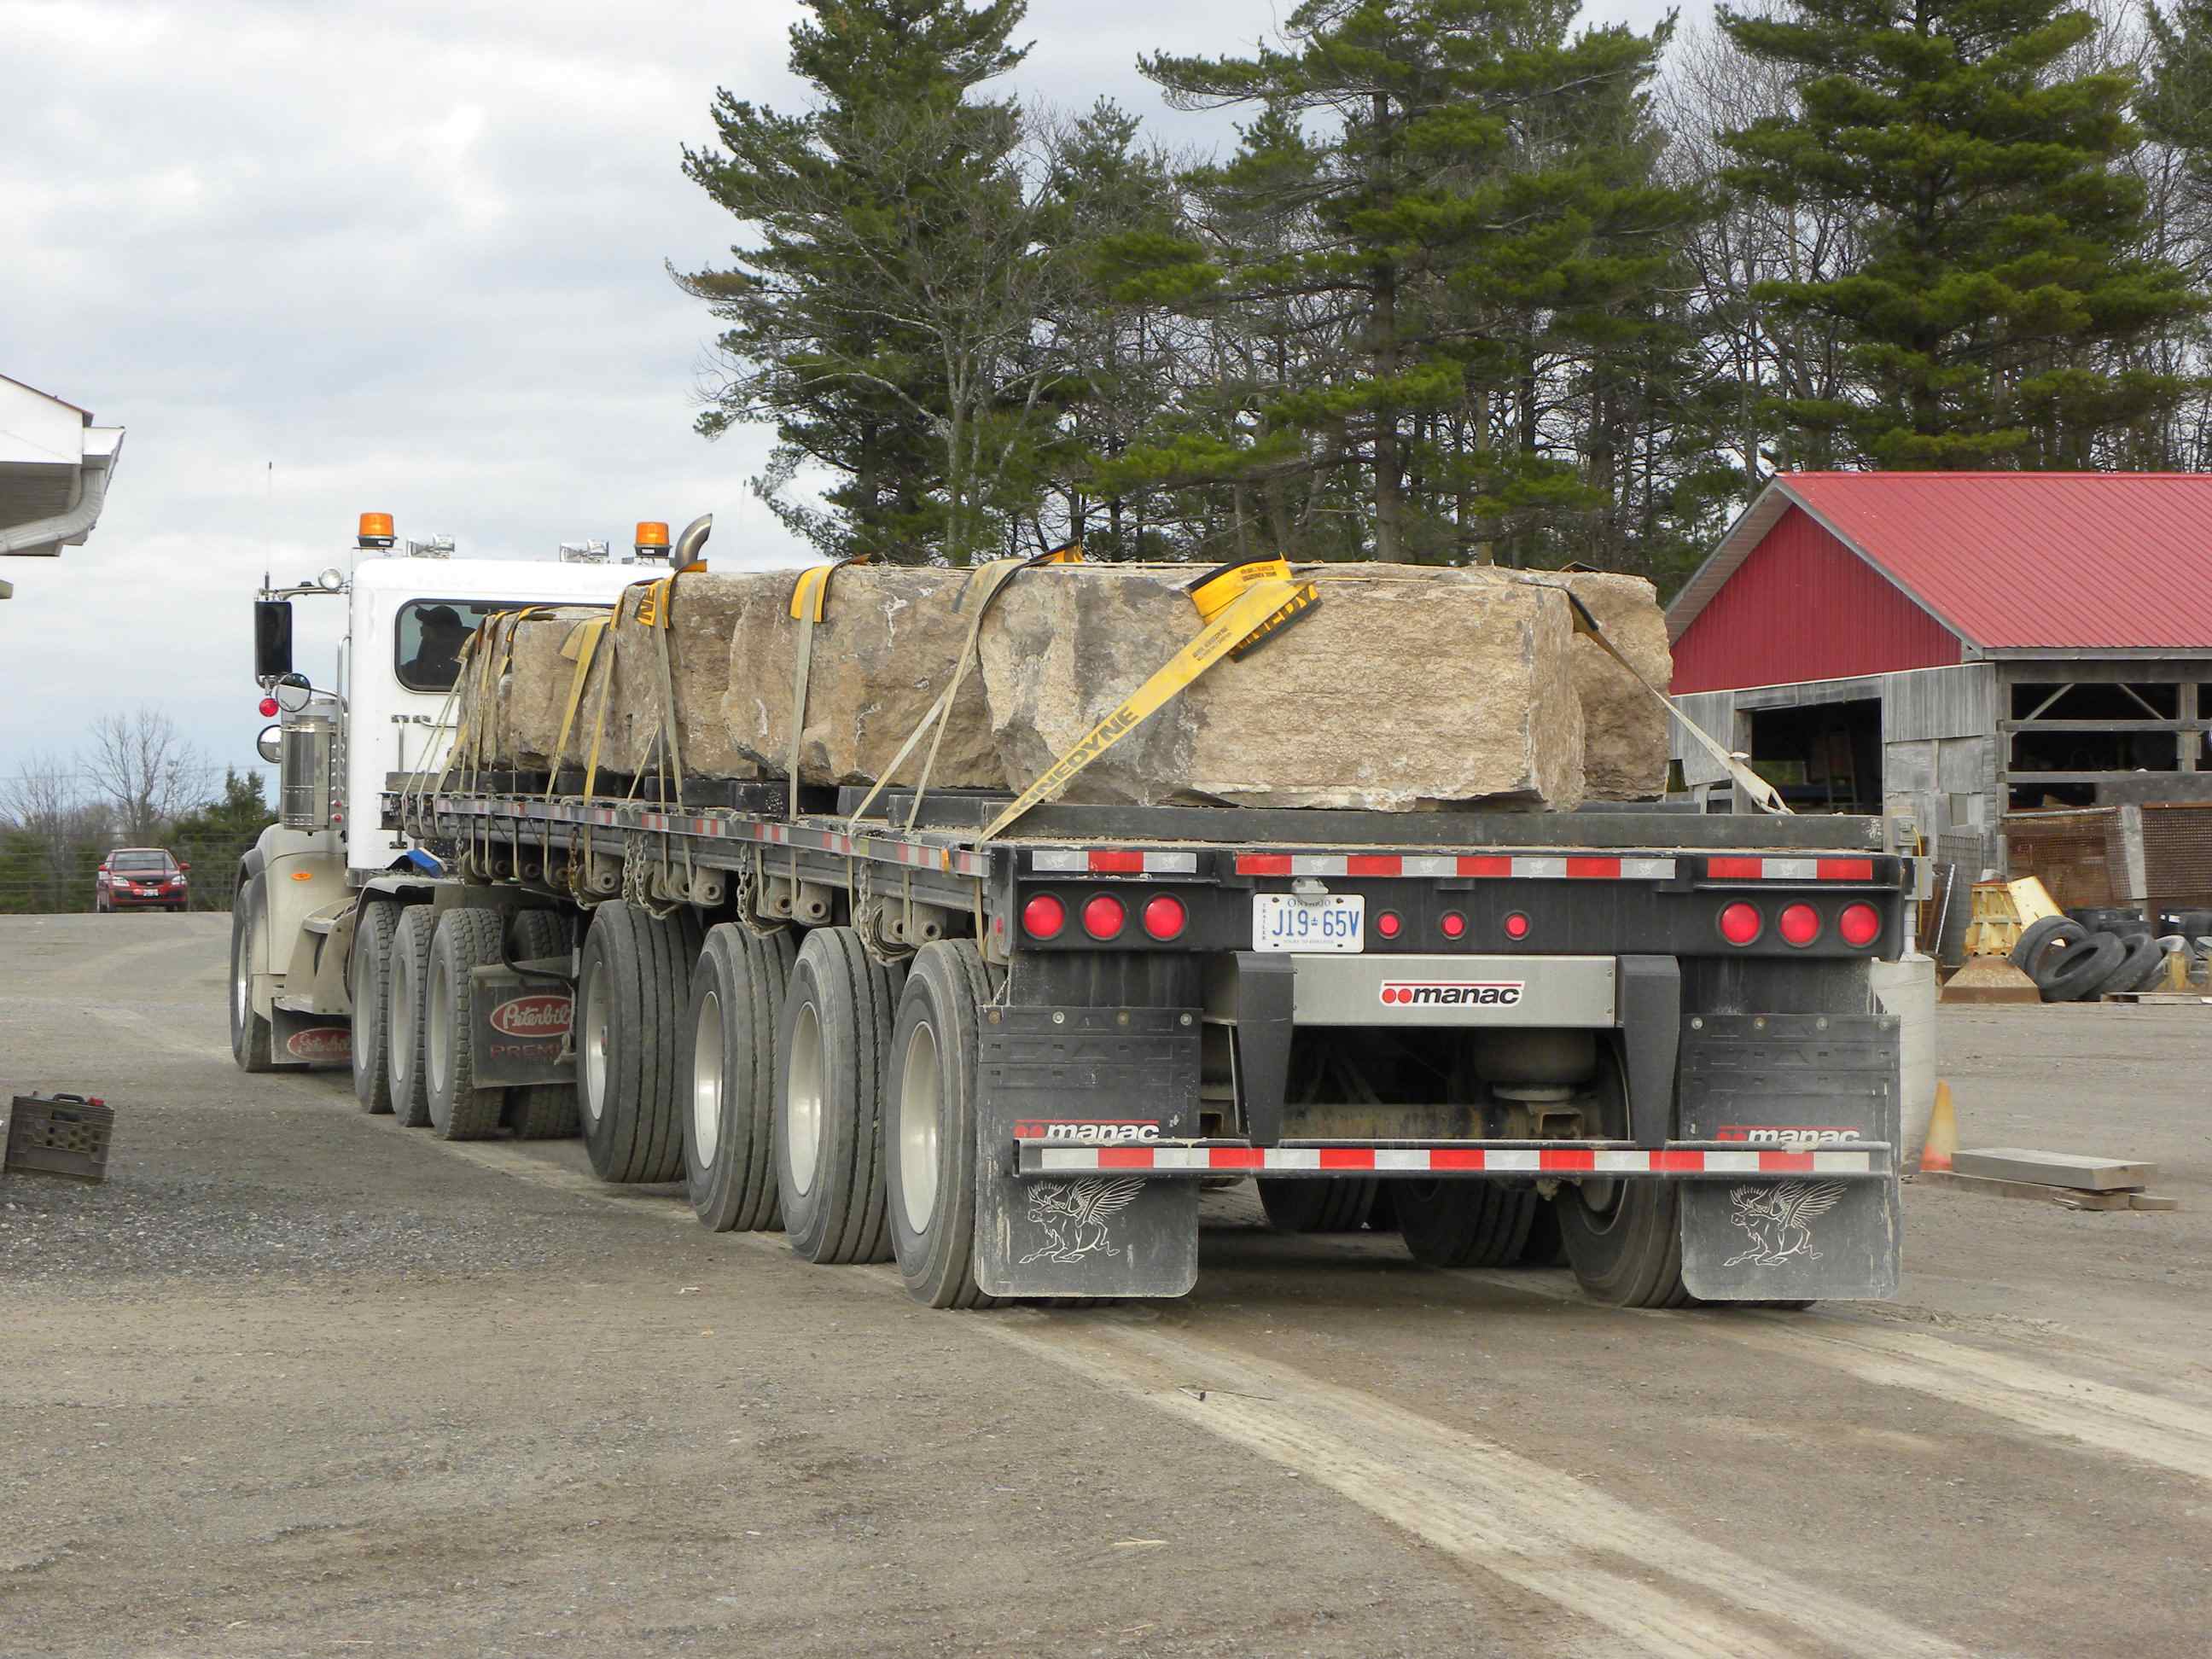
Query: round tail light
point(1740, 923)
point(1517, 926)
point(1454, 924)
point(1798, 924)
point(1860, 925)
point(1043, 916)
point(269, 708)
point(1387, 924)
point(1164, 917)
point(1103, 916)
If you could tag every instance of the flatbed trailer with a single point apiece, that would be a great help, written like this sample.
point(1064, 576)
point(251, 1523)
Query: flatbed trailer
point(1645, 1041)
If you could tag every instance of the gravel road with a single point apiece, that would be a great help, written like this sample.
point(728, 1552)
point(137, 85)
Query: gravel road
point(296, 1381)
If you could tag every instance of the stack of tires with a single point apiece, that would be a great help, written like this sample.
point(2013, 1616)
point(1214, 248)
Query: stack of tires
point(2087, 954)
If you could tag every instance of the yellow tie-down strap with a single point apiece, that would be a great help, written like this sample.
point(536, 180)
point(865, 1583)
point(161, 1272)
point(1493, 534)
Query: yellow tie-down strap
point(1243, 606)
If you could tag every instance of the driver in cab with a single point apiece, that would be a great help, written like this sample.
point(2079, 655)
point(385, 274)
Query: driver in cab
point(437, 660)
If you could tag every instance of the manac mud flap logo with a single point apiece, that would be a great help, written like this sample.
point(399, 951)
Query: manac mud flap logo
point(1089, 1131)
point(542, 1016)
point(320, 1043)
point(1452, 993)
point(1795, 1137)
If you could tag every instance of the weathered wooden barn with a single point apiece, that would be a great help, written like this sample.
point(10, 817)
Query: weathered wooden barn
point(1952, 648)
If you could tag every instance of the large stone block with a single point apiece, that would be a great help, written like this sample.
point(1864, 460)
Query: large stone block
point(532, 693)
point(1402, 690)
point(887, 644)
point(1623, 726)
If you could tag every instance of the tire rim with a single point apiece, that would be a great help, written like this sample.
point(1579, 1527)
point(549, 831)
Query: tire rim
point(802, 1098)
point(241, 979)
point(399, 1017)
point(440, 1022)
point(707, 1079)
point(595, 1039)
point(918, 1105)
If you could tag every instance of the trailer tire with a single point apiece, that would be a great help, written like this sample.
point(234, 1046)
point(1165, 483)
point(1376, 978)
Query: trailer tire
point(1465, 1224)
point(372, 960)
point(407, 971)
point(250, 1039)
point(2143, 959)
point(1544, 1247)
point(832, 1056)
point(630, 998)
point(541, 1111)
point(928, 1151)
point(460, 1109)
point(1327, 1204)
point(726, 1077)
point(1628, 1250)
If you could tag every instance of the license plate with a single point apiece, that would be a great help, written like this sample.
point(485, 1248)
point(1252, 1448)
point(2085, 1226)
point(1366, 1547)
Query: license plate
point(1281, 922)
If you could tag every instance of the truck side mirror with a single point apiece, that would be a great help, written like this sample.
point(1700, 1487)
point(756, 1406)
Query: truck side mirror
point(272, 639)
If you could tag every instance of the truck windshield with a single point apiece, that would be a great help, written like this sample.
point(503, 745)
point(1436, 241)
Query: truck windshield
point(427, 646)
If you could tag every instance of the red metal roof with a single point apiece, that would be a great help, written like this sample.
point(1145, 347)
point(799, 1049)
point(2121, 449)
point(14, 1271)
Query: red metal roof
point(2010, 560)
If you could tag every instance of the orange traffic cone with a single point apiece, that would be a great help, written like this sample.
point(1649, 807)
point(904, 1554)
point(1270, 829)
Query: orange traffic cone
point(1942, 1133)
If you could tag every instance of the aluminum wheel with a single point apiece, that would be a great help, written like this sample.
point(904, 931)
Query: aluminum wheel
point(802, 1102)
point(917, 1127)
point(440, 1028)
point(706, 1078)
point(242, 973)
point(596, 1019)
point(399, 1021)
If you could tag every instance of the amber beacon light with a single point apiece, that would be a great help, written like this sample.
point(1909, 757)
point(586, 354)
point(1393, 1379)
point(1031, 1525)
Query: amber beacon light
point(375, 530)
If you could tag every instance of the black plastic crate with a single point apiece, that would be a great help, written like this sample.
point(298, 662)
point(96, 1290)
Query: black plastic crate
point(59, 1134)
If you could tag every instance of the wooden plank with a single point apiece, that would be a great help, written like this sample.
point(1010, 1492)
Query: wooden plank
point(2152, 1201)
point(2070, 1170)
point(2065, 1197)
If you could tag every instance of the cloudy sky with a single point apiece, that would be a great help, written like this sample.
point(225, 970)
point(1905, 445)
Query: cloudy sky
point(410, 253)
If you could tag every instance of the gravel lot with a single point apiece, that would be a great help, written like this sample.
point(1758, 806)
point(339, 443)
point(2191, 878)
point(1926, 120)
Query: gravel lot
point(296, 1381)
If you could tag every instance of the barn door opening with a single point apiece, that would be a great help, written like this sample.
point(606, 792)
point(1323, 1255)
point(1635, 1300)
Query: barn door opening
point(1824, 757)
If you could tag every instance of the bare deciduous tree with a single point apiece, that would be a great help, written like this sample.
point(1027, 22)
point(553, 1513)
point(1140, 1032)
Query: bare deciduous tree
point(146, 769)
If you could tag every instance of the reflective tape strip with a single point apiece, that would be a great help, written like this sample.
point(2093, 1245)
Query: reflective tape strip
point(1790, 869)
point(1526, 867)
point(1053, 1158)
point(1109, 861)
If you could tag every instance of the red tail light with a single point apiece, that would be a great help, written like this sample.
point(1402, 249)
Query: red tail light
point(1740, 923)
point(1860, 925)
point(1387, 924)
point(1517, 926)
point(1043, 916)
point(1798, 924)
point(1103, 916)
point(1164, 917)
point(1454, 924)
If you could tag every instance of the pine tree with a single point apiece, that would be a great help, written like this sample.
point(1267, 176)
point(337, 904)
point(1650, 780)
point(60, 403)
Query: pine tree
point(2176, 107)
point(809, 344)
point(2001, 284)
point(1436, 227)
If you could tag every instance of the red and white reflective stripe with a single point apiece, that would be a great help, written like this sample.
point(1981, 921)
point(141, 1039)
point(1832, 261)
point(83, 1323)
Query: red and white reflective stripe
point(1111, 861)
point(1790, 869)
point(1520, 866)
point(1043, 1158)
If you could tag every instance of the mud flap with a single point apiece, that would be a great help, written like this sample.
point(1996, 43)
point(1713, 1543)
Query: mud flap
point(312, 1040)
point(1792, 1084)
point(521, 1028)
point(1094, 1076)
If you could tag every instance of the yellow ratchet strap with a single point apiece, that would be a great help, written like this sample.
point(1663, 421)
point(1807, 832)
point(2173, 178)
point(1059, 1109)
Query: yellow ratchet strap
point(810, 596)
point(1248, 604)
point(581, 645)
point(1767, 797)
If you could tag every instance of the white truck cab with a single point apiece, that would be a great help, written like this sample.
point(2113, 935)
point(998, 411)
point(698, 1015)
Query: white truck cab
point(410, 608)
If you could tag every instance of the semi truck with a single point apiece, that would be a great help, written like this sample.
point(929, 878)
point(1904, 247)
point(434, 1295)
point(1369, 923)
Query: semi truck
point(1645, 1041)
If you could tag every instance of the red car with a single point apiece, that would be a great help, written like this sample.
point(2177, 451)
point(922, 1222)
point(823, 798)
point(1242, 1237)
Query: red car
point(139, 879)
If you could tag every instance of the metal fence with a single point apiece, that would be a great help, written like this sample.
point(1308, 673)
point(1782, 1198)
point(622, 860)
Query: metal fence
point(68, 889)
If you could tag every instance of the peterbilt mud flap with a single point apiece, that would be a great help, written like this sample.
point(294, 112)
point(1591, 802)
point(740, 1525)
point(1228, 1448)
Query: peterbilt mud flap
point(1794, 1085)
point(1097, 1077)
point(521, 1028)
point(315, 1040)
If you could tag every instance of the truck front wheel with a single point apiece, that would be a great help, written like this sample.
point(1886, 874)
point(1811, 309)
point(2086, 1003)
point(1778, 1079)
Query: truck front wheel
point(249, 1031)
point(928, 1148)
point(407, 968)
point(726, 1078)
point(833, 1048)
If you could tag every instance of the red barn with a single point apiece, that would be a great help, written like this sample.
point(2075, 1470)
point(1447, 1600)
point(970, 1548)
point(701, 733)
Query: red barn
point(1953, 646)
